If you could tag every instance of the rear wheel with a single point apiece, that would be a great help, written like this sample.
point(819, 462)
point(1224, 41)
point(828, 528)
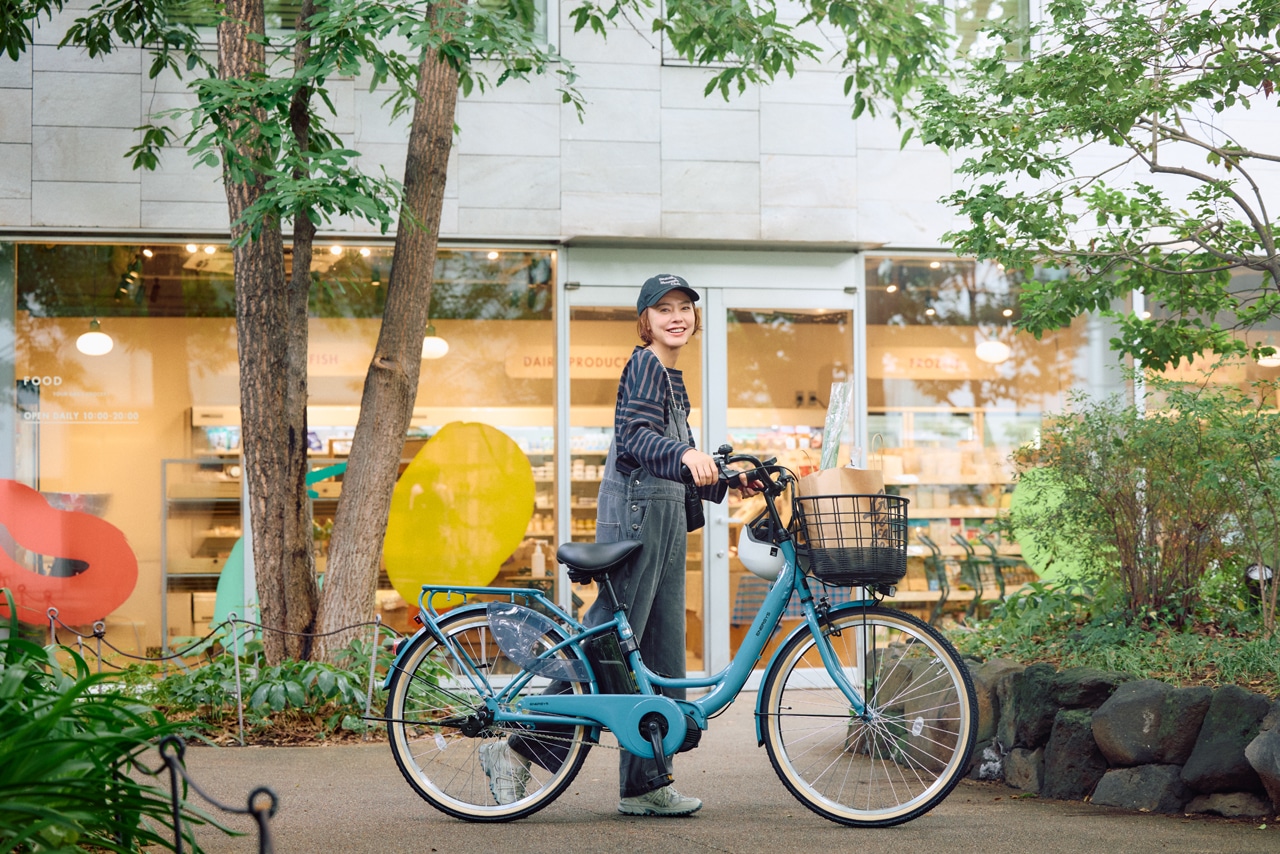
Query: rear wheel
point(439, 727)
point(907, 751)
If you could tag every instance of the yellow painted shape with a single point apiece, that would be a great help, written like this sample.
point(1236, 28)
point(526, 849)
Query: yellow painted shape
point(459, 510)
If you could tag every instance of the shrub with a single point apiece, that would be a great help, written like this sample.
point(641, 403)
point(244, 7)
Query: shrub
point(67, 743)
point(1155, 500)
point(332, 696)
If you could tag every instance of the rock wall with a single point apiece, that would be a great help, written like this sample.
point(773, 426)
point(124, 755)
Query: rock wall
point(1139, 744)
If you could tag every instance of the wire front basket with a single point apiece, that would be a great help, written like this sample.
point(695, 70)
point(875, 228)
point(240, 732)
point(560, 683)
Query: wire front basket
point(853, 540)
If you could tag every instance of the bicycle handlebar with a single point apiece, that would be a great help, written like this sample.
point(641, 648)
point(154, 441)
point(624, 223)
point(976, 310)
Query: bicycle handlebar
point(773, 477)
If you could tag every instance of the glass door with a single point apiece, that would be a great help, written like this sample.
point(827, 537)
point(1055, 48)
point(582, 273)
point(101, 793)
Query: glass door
point(769, 389)
point(759, 377)
point(602, 336)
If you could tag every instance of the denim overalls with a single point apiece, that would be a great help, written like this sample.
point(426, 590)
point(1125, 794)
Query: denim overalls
point(641, 506)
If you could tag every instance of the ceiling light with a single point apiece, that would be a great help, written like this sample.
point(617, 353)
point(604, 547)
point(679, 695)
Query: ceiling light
point(933, 265)
point(335, 249)
point(891, 289)
point(929, 312)
point(364, 252)
point(493, 256)
point(433, 346)
point(94, 342)
point(993, 352)
point(147, 253)
point(1008, 312)
point(192, 248)
point(209, 250)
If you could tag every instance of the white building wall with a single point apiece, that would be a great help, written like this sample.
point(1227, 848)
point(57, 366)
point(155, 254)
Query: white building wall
point(652, 158)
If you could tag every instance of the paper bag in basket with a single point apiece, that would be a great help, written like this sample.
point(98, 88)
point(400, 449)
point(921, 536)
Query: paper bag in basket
point(840, 520)
point(842, 481)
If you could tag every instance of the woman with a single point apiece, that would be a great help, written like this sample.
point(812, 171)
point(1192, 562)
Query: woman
point(642, 498)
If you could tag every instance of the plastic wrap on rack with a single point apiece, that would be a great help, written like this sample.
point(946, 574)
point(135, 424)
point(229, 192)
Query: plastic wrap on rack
point(520, 631)
point(837, 416)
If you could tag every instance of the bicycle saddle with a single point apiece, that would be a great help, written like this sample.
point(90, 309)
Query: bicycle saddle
point(588, 561)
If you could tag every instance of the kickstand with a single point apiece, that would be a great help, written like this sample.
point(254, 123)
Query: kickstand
point(659, 755)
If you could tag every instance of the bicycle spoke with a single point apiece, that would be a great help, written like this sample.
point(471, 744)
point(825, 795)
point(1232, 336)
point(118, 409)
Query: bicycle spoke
point(900, 757)
point(440, 719)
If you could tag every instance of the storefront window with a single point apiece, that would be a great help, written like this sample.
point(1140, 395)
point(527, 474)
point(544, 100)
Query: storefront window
point(972, 16)
point(143, 431)
point(954, 388)
point(1243, 372)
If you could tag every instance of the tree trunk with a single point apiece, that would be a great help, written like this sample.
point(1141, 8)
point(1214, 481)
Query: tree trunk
point(301, 589)
point(271, 435)
point(391, 385)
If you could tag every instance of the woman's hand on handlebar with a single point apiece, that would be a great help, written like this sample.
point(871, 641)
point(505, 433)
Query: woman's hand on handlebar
point(701, 466)
point(746, 487)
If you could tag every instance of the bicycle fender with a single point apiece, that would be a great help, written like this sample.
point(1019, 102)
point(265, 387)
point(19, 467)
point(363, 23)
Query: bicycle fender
point(773, 662)
point(413, 640)
point(408, 644)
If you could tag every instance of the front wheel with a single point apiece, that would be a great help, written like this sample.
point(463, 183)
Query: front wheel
point(905, 753)
point(448, 749)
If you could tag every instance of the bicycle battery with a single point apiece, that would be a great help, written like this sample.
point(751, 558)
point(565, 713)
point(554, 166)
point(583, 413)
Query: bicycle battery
point(613, 674)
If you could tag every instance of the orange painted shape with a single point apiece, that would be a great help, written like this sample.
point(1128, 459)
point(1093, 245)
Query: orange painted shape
point(107, 581)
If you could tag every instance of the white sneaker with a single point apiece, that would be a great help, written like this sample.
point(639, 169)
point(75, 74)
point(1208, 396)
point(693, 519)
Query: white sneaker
point(664, 801)
point(508, 771)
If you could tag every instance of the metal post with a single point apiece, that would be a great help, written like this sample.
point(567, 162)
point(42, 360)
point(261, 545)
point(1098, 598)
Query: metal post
point(373, 664)
point(99, 629)
point(52, 614)
point(235, 654)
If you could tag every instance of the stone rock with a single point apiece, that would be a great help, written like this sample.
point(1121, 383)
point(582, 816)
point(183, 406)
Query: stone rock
point(1086, 687)
point(1263, 754)
point(1073, 765)
point(1147, 788)
point(1024, 769)
point(1184, 712)
point(986, 677)
point(1230, 805)
point(1127, 724)
point(1032, 707)
point(1149, 722)
point(1217, 763)
point(1004, 699)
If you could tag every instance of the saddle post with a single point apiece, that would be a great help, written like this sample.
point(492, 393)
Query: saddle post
point(605, 587)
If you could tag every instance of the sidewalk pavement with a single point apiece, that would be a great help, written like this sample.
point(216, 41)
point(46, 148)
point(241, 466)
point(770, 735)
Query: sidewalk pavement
point(352, 800)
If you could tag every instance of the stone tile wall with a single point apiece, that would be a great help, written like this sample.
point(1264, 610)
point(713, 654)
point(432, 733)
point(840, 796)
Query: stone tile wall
point(652, 157)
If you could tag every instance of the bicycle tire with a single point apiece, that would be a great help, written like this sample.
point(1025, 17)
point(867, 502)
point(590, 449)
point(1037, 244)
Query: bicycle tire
point(430, 702)
point(901, 758)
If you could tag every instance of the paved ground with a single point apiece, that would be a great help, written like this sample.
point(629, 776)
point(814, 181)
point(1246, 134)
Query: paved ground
point(352, 800)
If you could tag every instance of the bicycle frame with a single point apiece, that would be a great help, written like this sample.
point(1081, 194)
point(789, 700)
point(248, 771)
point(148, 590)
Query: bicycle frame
point(621, 713)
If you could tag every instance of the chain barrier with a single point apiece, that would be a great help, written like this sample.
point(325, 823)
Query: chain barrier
point(261, 803)
point(100, 629)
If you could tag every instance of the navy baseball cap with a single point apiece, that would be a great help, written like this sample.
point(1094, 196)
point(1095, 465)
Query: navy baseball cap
point(656, 287)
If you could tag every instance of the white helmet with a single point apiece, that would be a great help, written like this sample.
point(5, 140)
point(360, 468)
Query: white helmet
point(757, 549)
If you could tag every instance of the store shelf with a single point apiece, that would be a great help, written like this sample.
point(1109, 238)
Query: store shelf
point(956, 480)
point(207, 491)
point(915, 512)
point(196, 565)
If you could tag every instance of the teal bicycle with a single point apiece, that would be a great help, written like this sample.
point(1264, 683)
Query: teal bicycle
point(868, 714)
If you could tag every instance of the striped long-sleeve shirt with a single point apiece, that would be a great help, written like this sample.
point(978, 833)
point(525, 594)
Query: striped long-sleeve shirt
point(640, 418)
